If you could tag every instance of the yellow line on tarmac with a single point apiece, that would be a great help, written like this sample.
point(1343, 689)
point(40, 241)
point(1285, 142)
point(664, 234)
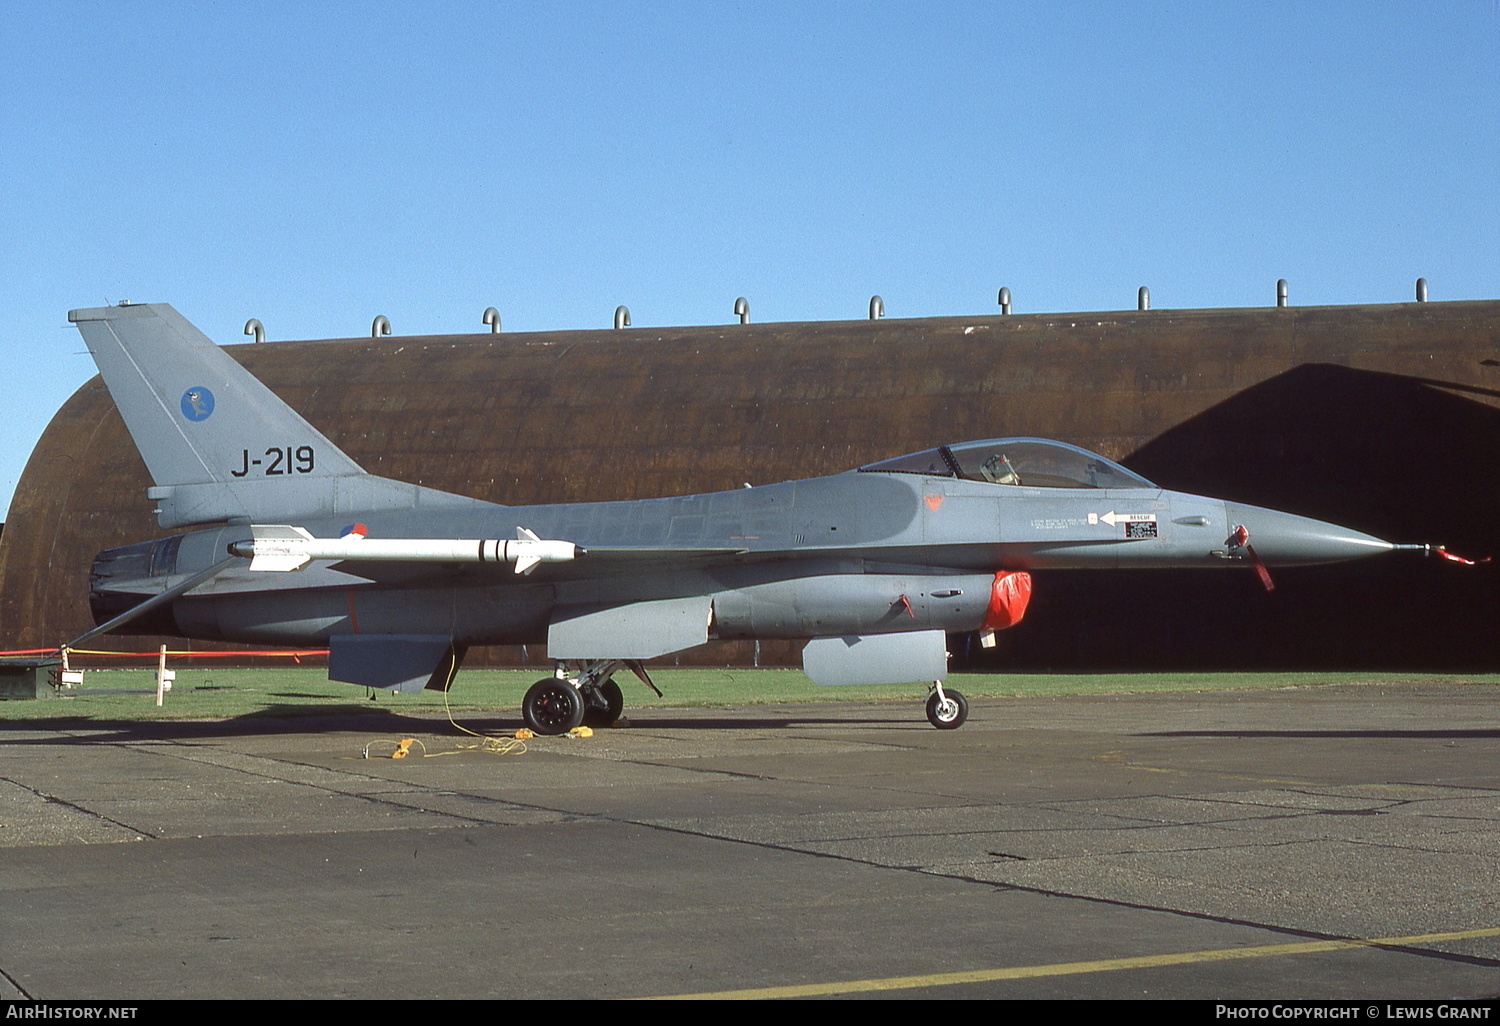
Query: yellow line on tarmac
point(1026, 972)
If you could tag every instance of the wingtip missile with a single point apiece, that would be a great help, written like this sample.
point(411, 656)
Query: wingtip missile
point(281, 548)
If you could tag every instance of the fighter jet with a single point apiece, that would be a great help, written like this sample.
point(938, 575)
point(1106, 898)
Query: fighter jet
point(297, 545)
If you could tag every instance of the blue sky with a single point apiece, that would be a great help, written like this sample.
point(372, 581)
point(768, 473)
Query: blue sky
point(314, 165)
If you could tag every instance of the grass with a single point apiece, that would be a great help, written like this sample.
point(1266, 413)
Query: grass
point(216, 692)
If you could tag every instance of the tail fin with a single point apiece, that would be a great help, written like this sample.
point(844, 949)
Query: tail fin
point(219, 444)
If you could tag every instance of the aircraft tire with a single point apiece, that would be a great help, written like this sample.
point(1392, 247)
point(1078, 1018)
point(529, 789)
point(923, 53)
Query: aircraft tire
point(552, 706)
point(604, 706)
point(950, 718)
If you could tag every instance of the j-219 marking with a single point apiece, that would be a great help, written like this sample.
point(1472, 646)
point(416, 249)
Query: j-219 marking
point(277, 461)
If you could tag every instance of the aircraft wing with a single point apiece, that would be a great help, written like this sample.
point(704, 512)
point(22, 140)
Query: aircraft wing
point(656, 553)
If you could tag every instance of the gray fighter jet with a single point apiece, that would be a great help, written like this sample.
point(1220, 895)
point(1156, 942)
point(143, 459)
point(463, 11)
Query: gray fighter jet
point(876, 565)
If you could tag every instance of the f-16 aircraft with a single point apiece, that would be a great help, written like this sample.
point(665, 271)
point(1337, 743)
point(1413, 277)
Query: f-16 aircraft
point(298, 545)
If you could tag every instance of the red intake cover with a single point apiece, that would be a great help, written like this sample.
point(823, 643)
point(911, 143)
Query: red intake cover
point(1009, 594)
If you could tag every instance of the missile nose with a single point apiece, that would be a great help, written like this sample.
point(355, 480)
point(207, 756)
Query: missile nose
point(1285, 539)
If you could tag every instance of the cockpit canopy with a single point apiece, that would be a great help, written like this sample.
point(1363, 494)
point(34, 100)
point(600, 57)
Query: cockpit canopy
point(1026, 462)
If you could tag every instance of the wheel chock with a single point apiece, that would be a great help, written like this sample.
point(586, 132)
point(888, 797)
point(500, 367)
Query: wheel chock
point(401, 749)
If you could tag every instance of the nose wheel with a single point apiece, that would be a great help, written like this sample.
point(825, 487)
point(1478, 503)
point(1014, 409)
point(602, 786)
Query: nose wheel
point(946, 708)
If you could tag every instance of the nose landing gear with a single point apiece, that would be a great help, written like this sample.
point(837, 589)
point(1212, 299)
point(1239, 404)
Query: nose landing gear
point(946, 708)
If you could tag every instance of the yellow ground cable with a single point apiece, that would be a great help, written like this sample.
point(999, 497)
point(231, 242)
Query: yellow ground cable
point(513, 745)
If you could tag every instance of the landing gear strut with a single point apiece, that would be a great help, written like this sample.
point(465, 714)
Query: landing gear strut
point(602, 699)
point(592, 699)
point(946, 708)
point(604, 704)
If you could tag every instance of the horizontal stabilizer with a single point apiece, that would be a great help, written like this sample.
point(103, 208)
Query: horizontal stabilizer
point(910, 657)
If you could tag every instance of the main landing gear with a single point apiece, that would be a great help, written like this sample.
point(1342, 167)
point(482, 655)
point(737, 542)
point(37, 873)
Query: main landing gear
point(552, 706)
point(946, 708)
point(604, 703)
point(557, 704)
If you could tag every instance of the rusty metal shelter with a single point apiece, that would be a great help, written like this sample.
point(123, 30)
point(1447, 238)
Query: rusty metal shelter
point(1383, 418)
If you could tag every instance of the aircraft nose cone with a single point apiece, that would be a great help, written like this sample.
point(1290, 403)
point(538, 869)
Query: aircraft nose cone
point(1285, 539)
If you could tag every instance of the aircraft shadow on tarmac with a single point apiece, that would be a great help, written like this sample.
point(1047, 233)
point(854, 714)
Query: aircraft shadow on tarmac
point(299, 719)
point(344, 717)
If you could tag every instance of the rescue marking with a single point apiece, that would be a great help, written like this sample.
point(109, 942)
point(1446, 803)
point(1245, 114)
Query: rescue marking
point(1112, 518)
point(933, 501)
point(1105, 965)
point(1137, 525)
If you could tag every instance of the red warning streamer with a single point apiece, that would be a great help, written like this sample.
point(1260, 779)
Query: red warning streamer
point(1454, 557)
point(1241, 539)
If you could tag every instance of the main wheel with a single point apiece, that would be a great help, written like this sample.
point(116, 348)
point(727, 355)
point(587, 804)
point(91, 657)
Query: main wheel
point(949, 714)
point(603, 705)
point(552, 706)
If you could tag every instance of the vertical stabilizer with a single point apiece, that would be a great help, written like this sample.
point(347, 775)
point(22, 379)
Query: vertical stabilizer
point(219, 444)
